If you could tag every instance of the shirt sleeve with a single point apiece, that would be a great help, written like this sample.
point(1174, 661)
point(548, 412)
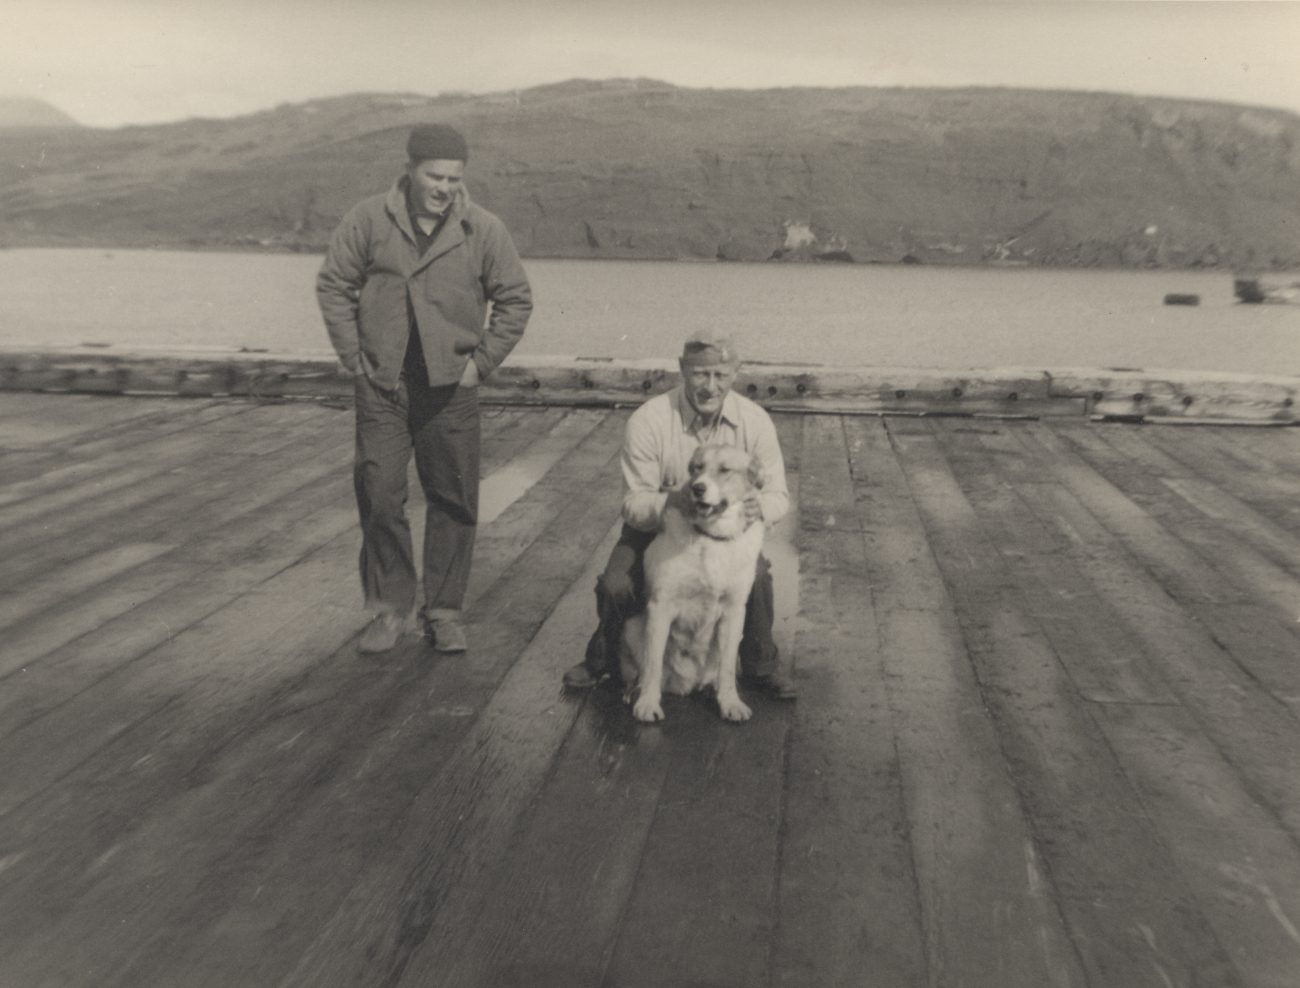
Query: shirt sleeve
point(775, 496)
point(506, 288)
point(643, 455)
point(339, 284)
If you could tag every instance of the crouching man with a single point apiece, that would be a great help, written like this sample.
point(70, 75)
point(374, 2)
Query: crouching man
point(657, 446)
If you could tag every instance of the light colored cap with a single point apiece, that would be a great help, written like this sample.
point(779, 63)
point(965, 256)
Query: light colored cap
point(708, 347)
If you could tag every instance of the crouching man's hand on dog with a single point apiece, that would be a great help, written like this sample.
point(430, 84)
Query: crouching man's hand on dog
point(753, 509)
point(678, 498)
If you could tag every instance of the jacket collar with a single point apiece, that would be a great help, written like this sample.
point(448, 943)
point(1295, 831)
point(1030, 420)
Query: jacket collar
point(452, 232)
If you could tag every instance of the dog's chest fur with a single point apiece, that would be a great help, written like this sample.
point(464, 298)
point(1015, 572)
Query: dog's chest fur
point(696, 576)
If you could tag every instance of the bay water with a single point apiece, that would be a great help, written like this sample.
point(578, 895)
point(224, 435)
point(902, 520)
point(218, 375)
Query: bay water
point(838, 314)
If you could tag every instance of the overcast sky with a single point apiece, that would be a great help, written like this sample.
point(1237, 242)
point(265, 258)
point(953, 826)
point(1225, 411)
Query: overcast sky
point(113, 62)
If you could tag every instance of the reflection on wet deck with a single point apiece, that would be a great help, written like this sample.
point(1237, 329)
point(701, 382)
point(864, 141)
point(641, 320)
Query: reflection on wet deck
point(1047, 733)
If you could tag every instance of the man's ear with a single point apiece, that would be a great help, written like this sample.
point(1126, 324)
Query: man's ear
point(756, 472)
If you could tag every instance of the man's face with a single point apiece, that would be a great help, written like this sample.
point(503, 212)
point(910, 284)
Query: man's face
point(433, 183)
point(707, 385)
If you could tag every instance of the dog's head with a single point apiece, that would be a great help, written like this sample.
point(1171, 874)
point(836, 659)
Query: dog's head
point(721, 478)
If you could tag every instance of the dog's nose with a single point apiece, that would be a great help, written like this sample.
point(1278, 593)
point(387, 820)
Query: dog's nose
point(699, 489)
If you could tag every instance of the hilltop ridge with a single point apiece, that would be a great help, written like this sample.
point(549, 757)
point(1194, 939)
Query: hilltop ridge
point(644, 169)
point(24, 112)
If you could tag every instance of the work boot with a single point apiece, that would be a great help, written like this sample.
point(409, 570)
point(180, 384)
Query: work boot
point(579, 677)
point(776, 684)
point(382, 633)
point(445, 631)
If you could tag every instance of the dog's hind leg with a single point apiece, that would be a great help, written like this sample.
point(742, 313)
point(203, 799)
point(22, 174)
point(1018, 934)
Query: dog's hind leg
point(658, 623)
point(731, 626)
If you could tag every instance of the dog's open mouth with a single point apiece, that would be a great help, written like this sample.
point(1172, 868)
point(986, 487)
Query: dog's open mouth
point(705, 510)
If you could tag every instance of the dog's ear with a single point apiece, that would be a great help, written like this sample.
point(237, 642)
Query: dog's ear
point(756, 471)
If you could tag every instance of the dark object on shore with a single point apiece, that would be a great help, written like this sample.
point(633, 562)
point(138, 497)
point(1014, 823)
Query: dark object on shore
point(838, 256)
point(1257, 290)
point(1176, 298)
point(1247, 289)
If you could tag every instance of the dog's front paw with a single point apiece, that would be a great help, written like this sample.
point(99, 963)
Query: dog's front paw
point(647, 709)
point(733, 708)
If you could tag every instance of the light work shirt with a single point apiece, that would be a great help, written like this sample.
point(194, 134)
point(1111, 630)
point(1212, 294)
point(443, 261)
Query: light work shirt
point(662, 434)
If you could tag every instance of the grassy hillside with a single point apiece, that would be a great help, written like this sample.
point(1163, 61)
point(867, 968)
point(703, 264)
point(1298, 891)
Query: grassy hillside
point(639, 169)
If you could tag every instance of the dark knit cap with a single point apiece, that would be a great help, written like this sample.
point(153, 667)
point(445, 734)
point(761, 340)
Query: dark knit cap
point(436, 141)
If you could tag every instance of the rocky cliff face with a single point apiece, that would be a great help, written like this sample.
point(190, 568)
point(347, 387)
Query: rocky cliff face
point(637, 169)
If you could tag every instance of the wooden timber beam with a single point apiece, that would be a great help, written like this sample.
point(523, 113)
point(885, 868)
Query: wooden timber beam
point(1018, 392)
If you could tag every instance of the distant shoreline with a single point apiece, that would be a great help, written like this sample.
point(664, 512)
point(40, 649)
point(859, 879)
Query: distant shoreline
point(319, 251)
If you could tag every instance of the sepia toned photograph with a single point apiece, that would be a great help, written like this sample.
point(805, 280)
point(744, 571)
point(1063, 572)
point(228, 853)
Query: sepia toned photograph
point(649, 494)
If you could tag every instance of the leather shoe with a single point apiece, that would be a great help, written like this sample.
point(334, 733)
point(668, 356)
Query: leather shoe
point(579, 677)
point(777, 685)
point(382, 632)
point(446, 632)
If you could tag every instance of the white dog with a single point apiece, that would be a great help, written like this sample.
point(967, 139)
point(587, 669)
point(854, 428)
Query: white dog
point(698, 573)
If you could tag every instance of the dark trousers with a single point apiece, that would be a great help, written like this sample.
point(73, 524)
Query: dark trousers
point(620, 594)
point(440, 426)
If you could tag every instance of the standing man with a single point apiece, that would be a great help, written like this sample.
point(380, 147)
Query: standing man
point(406, 290)
point(661, 435)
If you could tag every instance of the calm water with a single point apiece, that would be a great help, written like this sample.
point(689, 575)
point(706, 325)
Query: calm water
point(836, 314)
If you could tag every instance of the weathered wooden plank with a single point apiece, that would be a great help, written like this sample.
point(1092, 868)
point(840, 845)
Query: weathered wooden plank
point(87, 639)
point(236, 373)
point(1258, 603)
point(534, 457)
point(1177, 565)
point(1185, 394)
point(1278, 545)
point(1216, 485)
point(546, 913)
point(236, 488)
point(1271, 492)
point(217, 662)
point(35, 421)
point(703, 907)
point(511, 431)
point(1101, 656)
point(259, 814)
point(173, 473)
point(461, 817)
point(1092, 839)
point(44, 593)
point(1108, 862)
point(847, 890)
point(67, 746)
point(1246, 629)
point(1126, 558)
point(24, 470)
point(303, 862)
point(1244, 867)
point(1273, 451)
point(987, 910)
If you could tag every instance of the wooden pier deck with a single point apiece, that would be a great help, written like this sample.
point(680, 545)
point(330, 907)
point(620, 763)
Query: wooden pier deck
point(1048, 735)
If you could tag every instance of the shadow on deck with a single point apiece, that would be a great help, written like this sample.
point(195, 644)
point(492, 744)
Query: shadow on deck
point(1047, 733)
